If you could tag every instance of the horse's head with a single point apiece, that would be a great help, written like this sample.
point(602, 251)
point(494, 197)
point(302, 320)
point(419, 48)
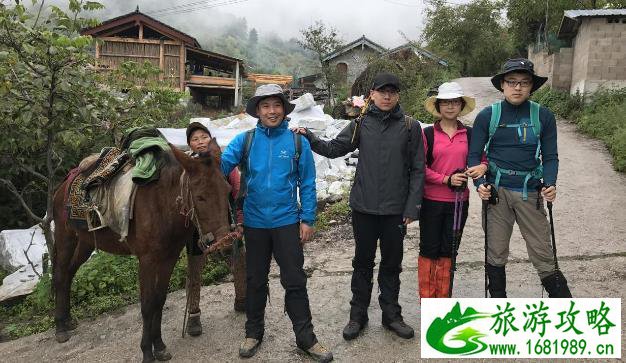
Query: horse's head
point(207, 190)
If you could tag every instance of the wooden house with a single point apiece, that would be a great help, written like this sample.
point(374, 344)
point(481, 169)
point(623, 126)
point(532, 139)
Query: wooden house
point(184, 64)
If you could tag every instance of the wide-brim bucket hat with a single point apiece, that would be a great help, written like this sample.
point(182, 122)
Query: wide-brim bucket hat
point(521, 65)
point(265, 91)
point(449, 91)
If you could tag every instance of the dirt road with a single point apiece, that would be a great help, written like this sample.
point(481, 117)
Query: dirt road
point(591, 235)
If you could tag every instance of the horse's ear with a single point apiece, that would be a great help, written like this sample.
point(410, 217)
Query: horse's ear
point(185, 160)
point(215, 151)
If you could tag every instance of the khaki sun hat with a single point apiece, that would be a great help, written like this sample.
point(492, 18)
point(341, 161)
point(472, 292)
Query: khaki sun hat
point(265, 91)
point(448, 91)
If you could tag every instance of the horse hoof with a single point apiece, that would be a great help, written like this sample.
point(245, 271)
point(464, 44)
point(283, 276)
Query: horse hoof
point(62, 336)
point(148, 359)
point(162, 355)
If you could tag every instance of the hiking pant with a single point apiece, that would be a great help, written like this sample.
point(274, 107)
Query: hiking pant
point(284, 244)
point(368, 229)
point(436, 220)
point(533, 226)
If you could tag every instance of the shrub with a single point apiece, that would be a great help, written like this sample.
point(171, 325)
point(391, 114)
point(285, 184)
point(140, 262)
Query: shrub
point(561, 103)
point(104, 283)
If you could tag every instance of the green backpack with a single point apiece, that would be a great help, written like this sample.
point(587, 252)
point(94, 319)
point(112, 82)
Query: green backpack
point(537, 172)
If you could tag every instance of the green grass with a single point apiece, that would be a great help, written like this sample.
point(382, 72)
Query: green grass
point(104, 283)
point(337, 211)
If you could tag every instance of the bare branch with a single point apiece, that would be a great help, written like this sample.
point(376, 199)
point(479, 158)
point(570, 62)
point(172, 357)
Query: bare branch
point(29, 169)
point(32, 265)
point(39, 13)
point(9, 185)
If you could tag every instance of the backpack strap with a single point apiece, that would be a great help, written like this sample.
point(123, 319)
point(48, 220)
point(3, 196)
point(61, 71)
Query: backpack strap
point(537, 172)
point(534, 120)
point(429, 133)
point(468, 130)
point(243, 164)
point(408, 124)
point(496, 111)
point(297, 142)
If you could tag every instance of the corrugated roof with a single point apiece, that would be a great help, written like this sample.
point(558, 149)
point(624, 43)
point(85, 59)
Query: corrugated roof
point(596, 12)
point(572, 18)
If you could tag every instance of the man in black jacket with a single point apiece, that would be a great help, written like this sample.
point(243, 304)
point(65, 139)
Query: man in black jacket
point(385, 197)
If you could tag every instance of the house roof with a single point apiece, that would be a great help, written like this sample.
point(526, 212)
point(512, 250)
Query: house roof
point(362, 41)
point(417, 51)
point(137, 17)
point(571, 19)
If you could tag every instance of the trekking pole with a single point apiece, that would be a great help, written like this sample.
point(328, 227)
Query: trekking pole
point(456, 233)
point(187, 303)
point(556, 262)
point(485, 205)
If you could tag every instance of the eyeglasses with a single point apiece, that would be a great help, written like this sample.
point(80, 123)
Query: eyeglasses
point(389, 92)
point(453, 102)
point(513, 83)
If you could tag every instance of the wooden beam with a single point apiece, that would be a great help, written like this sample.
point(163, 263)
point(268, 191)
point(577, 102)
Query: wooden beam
point(129, 55)
point(140, 31)
point(161, 60)
point(181, 71)
point(236, 103)
point(134, 40)
point(117, 30)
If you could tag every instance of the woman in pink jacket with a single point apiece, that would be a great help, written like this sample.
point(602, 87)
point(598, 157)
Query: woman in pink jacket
point(446, 146)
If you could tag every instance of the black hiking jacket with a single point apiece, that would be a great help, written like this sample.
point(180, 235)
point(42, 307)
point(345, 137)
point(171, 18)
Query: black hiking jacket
point(389, 176)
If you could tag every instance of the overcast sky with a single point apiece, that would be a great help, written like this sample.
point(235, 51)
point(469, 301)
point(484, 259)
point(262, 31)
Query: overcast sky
point(379, 20)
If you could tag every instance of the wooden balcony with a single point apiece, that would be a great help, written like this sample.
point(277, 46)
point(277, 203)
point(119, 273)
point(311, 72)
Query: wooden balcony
point(210, 82)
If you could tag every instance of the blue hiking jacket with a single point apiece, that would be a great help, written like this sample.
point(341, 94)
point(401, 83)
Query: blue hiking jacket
point(510, 151)
point(272, 179)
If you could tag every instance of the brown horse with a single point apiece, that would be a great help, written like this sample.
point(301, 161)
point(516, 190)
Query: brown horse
point(157, 234)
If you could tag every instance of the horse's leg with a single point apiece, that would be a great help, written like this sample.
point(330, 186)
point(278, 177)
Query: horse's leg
point(154, 273)
point(195, 265)
point(69, 256)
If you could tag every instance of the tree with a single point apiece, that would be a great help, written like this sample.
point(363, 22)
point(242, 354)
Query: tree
point(55, 107)
point(253, 37)
point(532, 19)
point(322, 41)
point(471, 35)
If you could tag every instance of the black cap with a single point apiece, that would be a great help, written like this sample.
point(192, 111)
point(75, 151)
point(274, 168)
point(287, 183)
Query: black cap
point(196, 126)
point(385, 79)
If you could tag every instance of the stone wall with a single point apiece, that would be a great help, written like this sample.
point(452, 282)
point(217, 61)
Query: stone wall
point(599, 56)
point(356, 59)
point(557, 67)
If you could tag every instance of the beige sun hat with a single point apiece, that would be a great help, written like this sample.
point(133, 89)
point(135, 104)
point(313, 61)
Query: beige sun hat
point(448, 91)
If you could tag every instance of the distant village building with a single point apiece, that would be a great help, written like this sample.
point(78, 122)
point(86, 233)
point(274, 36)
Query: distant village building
point(184, 64)
point(351, 60)
point(596, 56)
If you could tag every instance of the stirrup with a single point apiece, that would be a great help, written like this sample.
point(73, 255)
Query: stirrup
point(94, 219)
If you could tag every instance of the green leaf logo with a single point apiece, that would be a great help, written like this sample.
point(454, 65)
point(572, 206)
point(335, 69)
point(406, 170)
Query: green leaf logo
point(470, 336)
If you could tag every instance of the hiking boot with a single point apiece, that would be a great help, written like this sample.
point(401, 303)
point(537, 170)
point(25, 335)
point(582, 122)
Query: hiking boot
point(556, 285)
point(320, 353)
point(249, 347)
point(352, 330)
point(194, 326)
point(497, 281)
point(402, 329)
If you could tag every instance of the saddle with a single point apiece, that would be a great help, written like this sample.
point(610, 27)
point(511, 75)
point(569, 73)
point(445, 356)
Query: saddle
point(99, 192)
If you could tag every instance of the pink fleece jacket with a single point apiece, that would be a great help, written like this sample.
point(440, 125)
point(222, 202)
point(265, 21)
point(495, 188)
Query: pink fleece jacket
point(449, 154)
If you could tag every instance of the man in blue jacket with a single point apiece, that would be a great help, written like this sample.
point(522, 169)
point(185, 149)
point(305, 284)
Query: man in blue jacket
point(278, 166)
point(520, 139)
